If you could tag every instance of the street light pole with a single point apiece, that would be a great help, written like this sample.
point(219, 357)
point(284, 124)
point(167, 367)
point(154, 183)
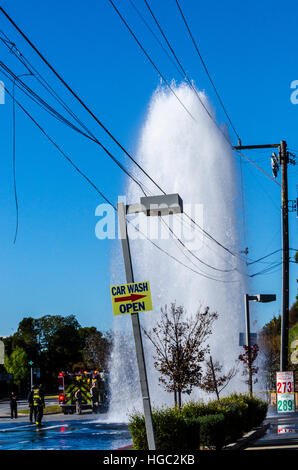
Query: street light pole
point(121, 208)
point(263, 298)
point(247, 330)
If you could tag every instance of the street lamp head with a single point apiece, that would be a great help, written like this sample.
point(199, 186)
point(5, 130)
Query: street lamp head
point(263, 298)
point(165, 204)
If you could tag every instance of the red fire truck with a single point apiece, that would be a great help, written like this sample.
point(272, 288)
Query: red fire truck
point(68, 384)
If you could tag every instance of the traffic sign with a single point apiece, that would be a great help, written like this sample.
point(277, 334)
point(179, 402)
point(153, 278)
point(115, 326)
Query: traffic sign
point(253, 337)
point(285, 392)
point(134, 297)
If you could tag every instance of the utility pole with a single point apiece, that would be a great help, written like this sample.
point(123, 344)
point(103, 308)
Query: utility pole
point(283, 159)
point(283, 162)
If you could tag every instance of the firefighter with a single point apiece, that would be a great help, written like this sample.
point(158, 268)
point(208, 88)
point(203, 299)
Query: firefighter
point(32, 410)
point(102, 388)
point(94, 397)
point(38, 404)
point(13, 405)
point(78, 398)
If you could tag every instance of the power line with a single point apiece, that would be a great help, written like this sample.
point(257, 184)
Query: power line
point(107, 131)
point(184, 74)
point(206, 233)
point(75, 95)
point(266, 270)
point(206, 70)
point(264, 257)
point(258, 167)
point(89, 181)
point(150, 60)
point(37, 99)
point(53, 112)
point(154, 35)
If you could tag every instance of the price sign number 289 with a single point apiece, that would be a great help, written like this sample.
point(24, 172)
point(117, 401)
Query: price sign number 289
point(285, 405)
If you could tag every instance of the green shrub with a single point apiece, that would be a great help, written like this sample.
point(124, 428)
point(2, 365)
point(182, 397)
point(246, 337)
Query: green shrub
point(241, 413)
point(171, 431)
point(212, 430)
point(253, 409)
point(215, 423)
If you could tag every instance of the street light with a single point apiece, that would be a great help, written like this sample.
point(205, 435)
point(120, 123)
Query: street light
point(263, 298)
point(151, 206)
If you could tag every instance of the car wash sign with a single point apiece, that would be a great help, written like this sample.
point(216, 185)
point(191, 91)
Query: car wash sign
point(134, 297)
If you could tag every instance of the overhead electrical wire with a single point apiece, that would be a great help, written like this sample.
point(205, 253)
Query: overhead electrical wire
point(109, 133)
point(187, 78)
point(184, 74)
point(55, 114)
point(180, 241)
point(266, 270)
point(77, 169)
point(206, 70)
point(106, 199)
point(264, 257)
point(14, 159)
point(113, 138)
point(154, 35)
point(151, 61)
point(37, 99)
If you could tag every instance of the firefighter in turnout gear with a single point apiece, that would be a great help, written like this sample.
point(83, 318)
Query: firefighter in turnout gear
point(32, 411)
point(78, 398)
point(38, 404)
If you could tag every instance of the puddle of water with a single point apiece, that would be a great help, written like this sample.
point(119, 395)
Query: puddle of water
point(61, 436)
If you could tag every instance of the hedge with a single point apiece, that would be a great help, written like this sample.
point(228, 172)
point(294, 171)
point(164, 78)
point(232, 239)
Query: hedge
point(171, 431)
point(214, 424)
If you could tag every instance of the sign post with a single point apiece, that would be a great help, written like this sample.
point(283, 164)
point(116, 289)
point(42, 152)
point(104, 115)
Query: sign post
point(31, 373)
point(124, 303)
point(285, 392)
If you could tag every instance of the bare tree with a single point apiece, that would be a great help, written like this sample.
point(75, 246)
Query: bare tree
point(248, 358)
point(213, 382)
point(180, 348)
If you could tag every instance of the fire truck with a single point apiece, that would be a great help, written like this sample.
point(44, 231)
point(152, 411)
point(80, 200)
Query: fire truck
point(68, 384)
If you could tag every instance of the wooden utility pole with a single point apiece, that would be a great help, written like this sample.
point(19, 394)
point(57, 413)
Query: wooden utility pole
point(283, 162)
point(283, 159)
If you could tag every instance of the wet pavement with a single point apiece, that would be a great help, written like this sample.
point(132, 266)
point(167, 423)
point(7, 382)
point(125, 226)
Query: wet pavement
point(282, 433)
point(63, 432)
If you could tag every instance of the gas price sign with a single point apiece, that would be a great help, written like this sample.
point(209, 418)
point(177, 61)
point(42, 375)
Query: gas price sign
point(285, 392)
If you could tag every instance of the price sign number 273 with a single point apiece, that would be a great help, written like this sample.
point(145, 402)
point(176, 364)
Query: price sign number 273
point(285, 387)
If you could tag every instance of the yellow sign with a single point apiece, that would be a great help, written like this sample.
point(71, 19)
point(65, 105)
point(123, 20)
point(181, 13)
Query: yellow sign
point(131, 298)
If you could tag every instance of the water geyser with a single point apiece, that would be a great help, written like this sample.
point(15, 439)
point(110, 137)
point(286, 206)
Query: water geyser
point(192, 158)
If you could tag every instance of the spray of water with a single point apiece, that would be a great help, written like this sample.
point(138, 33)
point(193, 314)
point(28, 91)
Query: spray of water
point(194, 159)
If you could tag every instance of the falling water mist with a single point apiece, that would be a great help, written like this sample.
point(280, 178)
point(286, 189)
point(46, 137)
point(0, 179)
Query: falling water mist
point(191, 157)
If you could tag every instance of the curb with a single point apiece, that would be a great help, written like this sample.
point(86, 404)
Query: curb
point(247, 438)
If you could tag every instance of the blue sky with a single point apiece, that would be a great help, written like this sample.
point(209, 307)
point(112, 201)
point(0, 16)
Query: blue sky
point(57, 265)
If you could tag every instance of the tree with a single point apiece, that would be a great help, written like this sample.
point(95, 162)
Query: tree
point(17, 364)
point(248, 360)
point(180, 348)
point(212, 381)
point(97, 349)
